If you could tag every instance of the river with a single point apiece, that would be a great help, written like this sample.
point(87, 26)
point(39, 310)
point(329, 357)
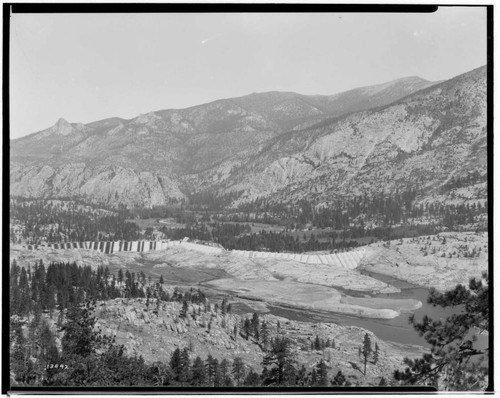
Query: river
point(397, 329)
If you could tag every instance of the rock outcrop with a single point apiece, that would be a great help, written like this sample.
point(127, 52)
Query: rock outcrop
point(441, 261)
point(156, 333)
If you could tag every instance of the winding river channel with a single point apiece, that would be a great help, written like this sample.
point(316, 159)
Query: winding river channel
point(397, 329)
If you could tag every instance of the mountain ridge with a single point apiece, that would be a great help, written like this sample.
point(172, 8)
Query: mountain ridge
point(112, 119)
point(237, 144)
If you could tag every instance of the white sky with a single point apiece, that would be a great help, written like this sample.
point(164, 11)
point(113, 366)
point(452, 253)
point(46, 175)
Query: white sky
point(86, 67)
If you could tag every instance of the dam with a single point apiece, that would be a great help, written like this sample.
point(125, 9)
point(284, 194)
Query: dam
point(345, 260)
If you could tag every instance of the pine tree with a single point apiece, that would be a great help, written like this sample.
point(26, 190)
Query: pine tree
point(317, 343)
point(47, 343)
point(289, 374)
point(198, 372)
point(455, 361)
point(247, 328)
point(376, 354)
point(224, 373)
point(79, 337)
point(21, 365)
point(184, 366)
point(313, 377)
point(216, 373)
point(25, 303)
point(15, 297)
point(322, 373)
point(184, 310)
point(339, 379)
point(280, 358)
point(175, 363)
point(255, 324)
point(264, 335)
point(209, 365)
point(238, 370)
point(161, 374)
point(252, 379)
point(366, 350)
point(302, 376)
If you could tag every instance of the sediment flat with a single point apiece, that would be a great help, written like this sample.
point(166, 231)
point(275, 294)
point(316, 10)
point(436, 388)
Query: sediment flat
point(314, 297)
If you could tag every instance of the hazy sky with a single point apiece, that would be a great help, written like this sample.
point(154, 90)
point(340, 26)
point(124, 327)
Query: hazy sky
point(86, 67)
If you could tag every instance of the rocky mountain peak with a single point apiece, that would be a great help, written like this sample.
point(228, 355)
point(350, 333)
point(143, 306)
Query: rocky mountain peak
point(61, 121)
point(62, 127)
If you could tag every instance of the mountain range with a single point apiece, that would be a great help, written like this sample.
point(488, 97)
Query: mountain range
point(281, 145)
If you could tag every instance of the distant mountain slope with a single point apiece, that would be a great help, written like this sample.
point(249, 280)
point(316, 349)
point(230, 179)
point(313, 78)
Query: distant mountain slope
point(275, 143)
point(423, 139)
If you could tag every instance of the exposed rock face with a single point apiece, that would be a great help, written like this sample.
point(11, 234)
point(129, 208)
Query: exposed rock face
point(105, 184)
point(282, 144)
point(423, 140)
point(156, 334)
point(440, 261)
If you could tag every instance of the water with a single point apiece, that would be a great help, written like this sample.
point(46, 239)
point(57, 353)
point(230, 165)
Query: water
point(397, 329)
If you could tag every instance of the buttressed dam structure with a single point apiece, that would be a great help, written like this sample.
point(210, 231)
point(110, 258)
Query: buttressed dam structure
point(346, 260)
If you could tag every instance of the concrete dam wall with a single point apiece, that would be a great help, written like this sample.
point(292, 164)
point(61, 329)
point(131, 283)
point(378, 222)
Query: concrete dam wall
point(131, 246)
point(346, 260)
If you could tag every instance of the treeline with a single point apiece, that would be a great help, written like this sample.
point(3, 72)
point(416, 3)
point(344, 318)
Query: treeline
point(279, 369)
point(177, 212)
point(381, 209)
point(236, 236)
point(194, 231)
point(60, 286)
point(328, 240)
point(41, 219)
point(218, 232)
point(337, 214)
point(222, 230)
point(280, 242)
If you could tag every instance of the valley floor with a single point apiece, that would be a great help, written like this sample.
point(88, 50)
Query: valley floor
point(257, 284)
